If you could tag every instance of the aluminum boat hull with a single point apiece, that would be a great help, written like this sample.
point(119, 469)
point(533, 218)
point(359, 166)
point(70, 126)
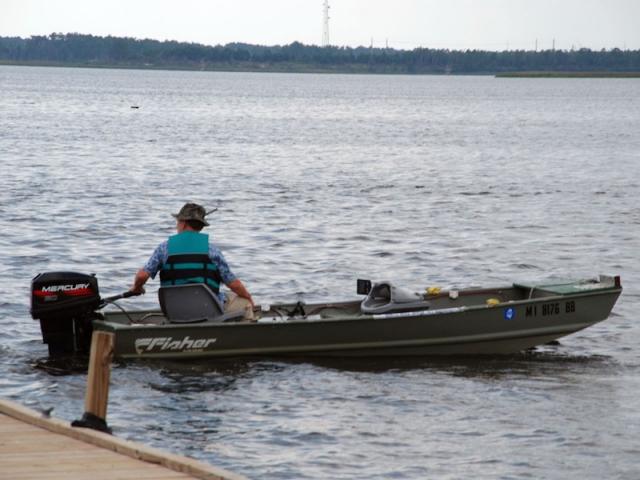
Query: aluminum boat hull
point(469, 323)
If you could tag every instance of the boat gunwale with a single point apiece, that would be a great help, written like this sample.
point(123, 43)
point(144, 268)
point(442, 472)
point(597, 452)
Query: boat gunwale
point(114, 326)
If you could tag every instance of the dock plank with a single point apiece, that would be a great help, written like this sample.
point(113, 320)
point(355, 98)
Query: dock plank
point(37, 448)
point(69, 458)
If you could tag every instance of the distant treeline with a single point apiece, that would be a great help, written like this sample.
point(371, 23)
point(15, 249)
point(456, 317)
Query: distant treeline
point(89, 50)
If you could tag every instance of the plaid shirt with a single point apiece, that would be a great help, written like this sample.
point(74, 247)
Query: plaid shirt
point(161, 255)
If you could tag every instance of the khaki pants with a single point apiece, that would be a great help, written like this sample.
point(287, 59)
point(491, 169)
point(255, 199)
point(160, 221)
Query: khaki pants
point(233, 303)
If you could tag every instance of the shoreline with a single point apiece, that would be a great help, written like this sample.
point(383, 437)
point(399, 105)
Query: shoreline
point(238, 67)
point(314, 69)
point(248, 68)
point(598, 74)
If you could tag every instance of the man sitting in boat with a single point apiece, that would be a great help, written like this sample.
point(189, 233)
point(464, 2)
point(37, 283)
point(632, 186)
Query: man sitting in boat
point(170, 253)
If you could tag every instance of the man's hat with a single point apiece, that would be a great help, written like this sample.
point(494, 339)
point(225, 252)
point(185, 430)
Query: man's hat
point(193, 211)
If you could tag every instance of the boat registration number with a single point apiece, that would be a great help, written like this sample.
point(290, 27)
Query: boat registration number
point(551, 308)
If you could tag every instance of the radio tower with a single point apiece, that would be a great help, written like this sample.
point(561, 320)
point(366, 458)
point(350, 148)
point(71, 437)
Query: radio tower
point(325, 23)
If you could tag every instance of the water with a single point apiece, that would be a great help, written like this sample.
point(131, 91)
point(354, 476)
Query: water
point(321, 179)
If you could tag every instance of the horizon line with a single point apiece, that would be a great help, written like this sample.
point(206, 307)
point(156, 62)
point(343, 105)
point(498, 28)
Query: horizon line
point(371, 46)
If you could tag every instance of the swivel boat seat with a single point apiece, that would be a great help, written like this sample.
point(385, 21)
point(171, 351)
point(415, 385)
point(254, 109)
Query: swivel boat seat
point(193, 303)
point(384, 297)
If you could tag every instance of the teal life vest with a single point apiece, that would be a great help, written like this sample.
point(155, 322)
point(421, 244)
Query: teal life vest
point(189, 261)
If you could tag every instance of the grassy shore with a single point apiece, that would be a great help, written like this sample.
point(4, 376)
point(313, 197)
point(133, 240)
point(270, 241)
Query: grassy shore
point(568, 75)
point(280, 67)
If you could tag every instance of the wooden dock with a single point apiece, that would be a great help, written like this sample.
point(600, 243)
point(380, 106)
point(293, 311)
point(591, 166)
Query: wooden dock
point(36, 447)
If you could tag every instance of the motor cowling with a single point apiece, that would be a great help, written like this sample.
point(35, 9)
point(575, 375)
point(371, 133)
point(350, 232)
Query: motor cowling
point(65, 303)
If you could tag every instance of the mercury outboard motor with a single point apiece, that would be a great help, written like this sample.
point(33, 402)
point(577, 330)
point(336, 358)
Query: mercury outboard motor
point(66, 303)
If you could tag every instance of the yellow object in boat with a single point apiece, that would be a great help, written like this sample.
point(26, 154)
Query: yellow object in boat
point(433, 290)
point(492, 301)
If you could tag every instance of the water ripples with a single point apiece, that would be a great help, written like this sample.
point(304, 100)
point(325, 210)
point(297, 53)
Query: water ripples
point(319, 180)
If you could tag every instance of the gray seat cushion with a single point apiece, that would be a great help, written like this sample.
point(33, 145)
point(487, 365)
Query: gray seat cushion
point(193, 303)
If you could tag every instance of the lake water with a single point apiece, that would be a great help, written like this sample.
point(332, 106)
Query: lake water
point(319, 180)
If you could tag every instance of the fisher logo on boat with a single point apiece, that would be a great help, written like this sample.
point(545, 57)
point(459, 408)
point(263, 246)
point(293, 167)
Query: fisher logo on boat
point(77, 289)
point(170, 344)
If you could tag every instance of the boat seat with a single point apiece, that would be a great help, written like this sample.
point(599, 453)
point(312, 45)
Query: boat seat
point(384, 297)
point(192, 303)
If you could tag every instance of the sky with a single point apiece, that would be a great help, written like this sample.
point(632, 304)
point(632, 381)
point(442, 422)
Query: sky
point(402, 24)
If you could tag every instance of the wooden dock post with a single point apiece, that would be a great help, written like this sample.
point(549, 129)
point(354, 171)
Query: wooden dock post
point(98, 376)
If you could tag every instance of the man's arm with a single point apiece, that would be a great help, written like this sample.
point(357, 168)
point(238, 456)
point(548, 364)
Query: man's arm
point(150, 269)
point(239, 289)
point(138, 282)
point(227, 275)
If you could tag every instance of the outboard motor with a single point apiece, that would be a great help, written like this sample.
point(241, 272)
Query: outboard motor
point(65, 303)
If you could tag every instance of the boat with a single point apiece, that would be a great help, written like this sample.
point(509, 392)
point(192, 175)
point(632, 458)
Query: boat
point(388, 321)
